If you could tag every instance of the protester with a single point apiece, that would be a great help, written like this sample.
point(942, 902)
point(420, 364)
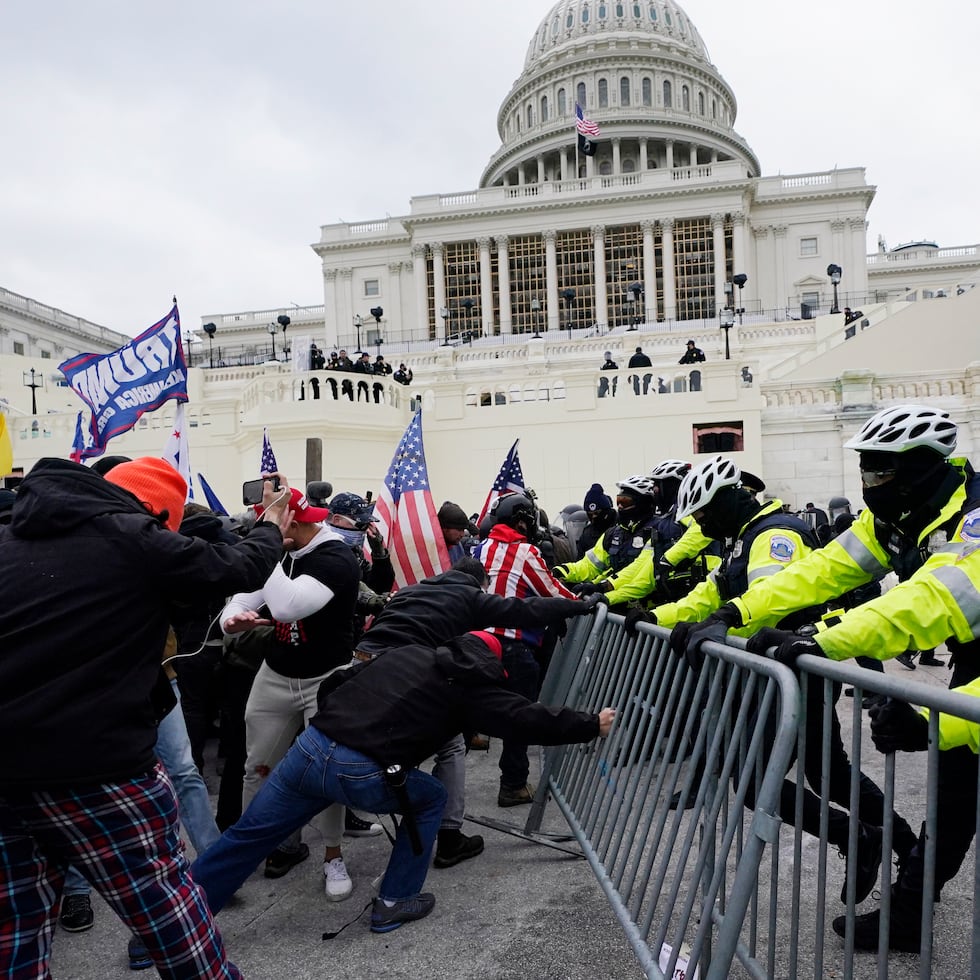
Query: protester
point(81, 638)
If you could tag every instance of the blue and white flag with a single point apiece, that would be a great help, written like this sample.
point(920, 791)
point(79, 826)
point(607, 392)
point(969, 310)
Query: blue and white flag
point(138, 377)
point(177, 453)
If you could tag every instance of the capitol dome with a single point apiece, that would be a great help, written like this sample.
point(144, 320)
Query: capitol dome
point(641, 72)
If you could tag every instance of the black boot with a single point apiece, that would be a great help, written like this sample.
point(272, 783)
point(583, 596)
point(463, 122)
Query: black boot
point(904, 923)
point(454, 846)
point(867, 862)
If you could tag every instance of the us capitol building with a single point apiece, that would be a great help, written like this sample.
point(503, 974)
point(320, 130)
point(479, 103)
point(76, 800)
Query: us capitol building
point(504, 299)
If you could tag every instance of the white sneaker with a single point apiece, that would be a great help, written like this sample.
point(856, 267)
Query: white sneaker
point(337, 883)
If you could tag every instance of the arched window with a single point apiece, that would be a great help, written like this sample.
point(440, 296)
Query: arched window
point(667, 18)
point(530, 117)
point(580, 94)
point(668, 96)
point(544, 108)
point(562, 107)
point(686, 98)
point(647, 91)
point(555, 26)
point(624, 91)
point(701, 103)
point(603, 10)
point(605, 168)
point(629, 166)
point(585, 14)
point(637, 13)
point(603, 93)
point(517, 119)
point(653, 14)
point(620, 12)
point(714, 108)
point(570, 19)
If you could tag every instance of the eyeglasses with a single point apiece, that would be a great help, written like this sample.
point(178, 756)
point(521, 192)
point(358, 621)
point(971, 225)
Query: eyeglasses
point(875, 478)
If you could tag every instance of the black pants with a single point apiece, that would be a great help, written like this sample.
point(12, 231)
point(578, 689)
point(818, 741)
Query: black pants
point(197, 682)
point(234, 685)
point(523, 677)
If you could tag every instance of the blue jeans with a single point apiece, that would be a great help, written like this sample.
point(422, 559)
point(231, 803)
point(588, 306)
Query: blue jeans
point(173, 749)
point(315, 772)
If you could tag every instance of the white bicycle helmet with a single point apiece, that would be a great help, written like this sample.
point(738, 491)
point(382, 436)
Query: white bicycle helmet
point(903, 427)
point(642, 486)
point(670, 469)
point(703, 482)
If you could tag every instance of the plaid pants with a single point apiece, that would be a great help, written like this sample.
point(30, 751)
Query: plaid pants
point(123, 838)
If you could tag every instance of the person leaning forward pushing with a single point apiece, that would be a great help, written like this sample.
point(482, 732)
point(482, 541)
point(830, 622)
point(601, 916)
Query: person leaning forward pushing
point(375, 724)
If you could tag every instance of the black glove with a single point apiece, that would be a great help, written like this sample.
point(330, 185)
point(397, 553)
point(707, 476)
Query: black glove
point(590, 602)
point(897, 727)
point(583, 588)
point(767, 637)
point(637, 615)
point(789, 646)
point(686, 638)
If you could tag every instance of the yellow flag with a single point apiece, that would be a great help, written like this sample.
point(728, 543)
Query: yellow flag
point(6, 449)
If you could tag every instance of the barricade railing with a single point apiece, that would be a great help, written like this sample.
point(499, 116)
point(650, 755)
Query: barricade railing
point(681, 812)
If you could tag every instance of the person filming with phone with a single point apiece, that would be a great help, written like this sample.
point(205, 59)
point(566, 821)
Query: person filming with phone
point(305, 610)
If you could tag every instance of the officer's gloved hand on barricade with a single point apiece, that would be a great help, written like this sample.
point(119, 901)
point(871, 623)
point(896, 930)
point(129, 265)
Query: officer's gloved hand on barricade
point(584, 588)
point(897, 727)
point(789, 646)
point(589, 603)
point(637, 615)
point(686, 638)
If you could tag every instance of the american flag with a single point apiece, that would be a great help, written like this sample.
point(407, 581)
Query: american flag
point(406, 515)
point(509, 479)
point(584, 126)
point(269, 464)
point(78, 443)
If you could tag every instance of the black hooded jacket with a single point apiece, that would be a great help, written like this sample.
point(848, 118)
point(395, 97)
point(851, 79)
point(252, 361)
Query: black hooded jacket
point(447, 605)
point(401, 707)
point(86, 580)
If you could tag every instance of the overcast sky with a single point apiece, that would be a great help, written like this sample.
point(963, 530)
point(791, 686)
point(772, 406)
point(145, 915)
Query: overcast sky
point(196, 148)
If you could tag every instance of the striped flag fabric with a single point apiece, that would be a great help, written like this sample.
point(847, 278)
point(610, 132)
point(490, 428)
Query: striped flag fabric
point(510, 479)
point(406, 515)
point(78, 444)
point(584, 125)
point(176, 451)
point(269, 464)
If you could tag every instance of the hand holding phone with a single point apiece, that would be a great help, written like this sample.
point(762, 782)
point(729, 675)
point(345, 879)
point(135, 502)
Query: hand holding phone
point(252, 489)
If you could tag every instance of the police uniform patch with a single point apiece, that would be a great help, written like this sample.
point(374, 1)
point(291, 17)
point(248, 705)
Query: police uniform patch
point(971, 525)
point(781, 548)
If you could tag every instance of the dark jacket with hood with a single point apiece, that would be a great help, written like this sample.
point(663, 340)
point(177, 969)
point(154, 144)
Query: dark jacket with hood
point(86, 579)
point(401, 707)
point(447, 605)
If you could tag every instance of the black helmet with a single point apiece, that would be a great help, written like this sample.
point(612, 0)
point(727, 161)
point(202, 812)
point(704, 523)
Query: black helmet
point(513, 509)
point(353, 506)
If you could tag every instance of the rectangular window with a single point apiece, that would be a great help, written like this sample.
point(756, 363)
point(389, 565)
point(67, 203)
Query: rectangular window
point(372, 287)
point(45, 355)
point(18, 347)
point(808, 247)
point(718, 437)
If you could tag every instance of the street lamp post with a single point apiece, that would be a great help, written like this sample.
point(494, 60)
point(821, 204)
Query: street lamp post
point(635, 292)
point(568, 295)
point(378, 312)
point(739, 280)
point(834, 271)
point(284, 322)
point(445, 314)
point(36, 381)
point(727, 322)
point(210, 329)
point(358, 323)
point(536, 316)
point(272, 328)
point(468, 305)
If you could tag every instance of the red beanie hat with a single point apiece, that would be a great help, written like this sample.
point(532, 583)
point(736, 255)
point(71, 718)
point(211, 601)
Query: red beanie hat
point(156, 484)
point(490, 640)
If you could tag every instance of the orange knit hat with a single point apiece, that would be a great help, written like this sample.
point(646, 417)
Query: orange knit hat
point(156, 484)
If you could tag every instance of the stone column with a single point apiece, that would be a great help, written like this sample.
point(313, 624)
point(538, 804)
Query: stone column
point(486, 287)
point(740, 259)
point(599, 260)
point(540, 169)
point(765, 290)
point(521, 178)
point(346, 303)
point(856, 258)
point(438, 276)
point(617, 169)
point(779, 244)
point(670, 154)
point(331, 316)
point(396, 315)
point(649, 272)
point(838, 249)
point(718, 241)
point(693, 159)
point(643, 155)
point(503, 275)
point(564, 164)
point(421, 292)
point(670, 289)
point(590, 167)
point(551, 273)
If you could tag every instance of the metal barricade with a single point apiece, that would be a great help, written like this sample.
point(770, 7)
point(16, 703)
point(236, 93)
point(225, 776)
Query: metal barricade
point(691, 813)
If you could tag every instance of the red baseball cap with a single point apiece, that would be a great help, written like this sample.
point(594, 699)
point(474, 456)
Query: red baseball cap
point(491, 641)
point(300, 508)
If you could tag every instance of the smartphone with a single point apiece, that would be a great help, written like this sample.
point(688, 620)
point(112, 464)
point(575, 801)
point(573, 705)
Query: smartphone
point(252, 490)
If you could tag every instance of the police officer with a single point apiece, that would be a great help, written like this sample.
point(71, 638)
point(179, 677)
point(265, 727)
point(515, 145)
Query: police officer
point(623, 542)
point(922, 521)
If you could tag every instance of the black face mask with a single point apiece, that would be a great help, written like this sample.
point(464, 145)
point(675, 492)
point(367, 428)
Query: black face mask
point(914, 497)
point(730, 509)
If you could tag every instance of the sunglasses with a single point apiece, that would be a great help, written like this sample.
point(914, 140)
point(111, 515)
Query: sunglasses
point(875, 478)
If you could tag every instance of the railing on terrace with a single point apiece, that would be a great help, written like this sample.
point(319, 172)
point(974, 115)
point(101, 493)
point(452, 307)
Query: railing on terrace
point(911, 255)
point(67, 321)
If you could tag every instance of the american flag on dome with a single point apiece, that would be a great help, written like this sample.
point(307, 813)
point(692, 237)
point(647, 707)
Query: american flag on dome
point(269, 464)
point(510, 479)
point(583, 125)
point(406, 515)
